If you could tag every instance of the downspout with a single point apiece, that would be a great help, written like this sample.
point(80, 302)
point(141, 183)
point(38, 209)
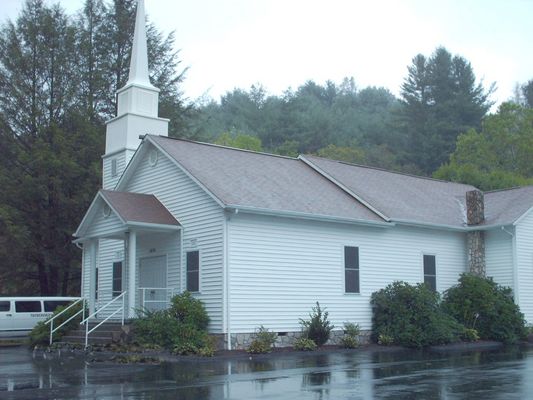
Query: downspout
point(226, 294)
point(516, 282)
point(182, 264)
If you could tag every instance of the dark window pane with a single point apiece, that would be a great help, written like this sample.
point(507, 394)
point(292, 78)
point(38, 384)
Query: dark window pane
point(51, 305)
point(193, 260)
point(431, 281)
point(192, 281)
point(4, 306)
point(351, 257)
point(429, 265)
point(351, 278)
point(27, 306)
point(96, 285)
point(117, 278)
point(193, 271)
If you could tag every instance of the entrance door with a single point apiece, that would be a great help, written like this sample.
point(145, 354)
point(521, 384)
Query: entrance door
point(153, 283)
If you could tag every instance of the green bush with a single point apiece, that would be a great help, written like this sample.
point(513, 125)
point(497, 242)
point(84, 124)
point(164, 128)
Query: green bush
point(181, 328)
point(188, 310)
point(470, 335)
point(411, 316)
point(385, 340)
point(304, 344)
point(481, 304)
point(263, 341)
point(350, 340)
point(317, 328)
point(40, 334)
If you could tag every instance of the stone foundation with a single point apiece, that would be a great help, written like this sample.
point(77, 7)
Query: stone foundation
point(241, 341)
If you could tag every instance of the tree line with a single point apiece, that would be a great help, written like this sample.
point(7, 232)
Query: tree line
point(58, 78)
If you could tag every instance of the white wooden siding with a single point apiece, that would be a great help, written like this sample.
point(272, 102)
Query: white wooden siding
point(101, 225)
point(524, 263)
point(109, 251)
point(499, 256)
point(202, 220)
point(280, 267)
point(108, 180)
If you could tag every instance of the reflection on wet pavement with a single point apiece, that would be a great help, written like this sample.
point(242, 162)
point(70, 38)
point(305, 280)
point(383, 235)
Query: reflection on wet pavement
point(395, 375)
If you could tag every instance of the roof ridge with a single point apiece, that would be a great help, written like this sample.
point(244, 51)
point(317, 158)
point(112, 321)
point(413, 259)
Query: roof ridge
point(226, 147)
point(388, 170)
point(511, 188)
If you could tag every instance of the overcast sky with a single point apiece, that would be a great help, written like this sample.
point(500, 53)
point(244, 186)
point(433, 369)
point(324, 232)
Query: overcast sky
point(282, 43)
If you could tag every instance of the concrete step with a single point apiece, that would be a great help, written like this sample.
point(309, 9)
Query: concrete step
point(104, 334)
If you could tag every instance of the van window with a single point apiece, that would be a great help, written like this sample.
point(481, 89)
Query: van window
point(51, 305)
point(4, 306)
point(27, 306)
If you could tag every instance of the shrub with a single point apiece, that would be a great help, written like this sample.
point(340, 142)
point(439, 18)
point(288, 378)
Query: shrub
point(304, 344)
point(181, 328)
point(188, 310)
point(40, 334)
point(470, 335)
point(263, 342)
point(385, 340)
point(481, 304)
point(350, 340)
point(411, 316)
point(317, 328)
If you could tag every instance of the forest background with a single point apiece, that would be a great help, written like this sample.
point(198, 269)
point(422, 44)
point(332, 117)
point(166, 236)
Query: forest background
point(58, 78)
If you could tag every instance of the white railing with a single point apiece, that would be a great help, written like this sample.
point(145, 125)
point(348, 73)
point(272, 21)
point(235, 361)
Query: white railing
point(86, 321)
point(51, 320)
point(155, 299)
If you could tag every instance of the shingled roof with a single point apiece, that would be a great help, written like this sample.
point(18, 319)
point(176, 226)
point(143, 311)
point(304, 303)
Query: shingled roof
point(239, 178)
point(137, 207)
point(316, 186)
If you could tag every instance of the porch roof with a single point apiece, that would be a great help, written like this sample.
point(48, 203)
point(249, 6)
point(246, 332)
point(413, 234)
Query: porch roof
point(113, 212)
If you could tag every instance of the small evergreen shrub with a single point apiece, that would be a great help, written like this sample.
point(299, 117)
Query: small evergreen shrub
point(188, 310)
point(182, 328)
point(350, 340)
point(411, 316)
point(470, 335)
point(481, 304)
point(385, 340)
point(317, 328)
point(263, 342)
point(40, 334)
point(304, 344)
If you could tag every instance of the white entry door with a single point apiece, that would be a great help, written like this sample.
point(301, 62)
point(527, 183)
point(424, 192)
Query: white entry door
point(153, 283)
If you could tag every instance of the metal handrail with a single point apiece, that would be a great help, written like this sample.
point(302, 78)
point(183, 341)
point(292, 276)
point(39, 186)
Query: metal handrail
point(51, 320)
point(86, 320)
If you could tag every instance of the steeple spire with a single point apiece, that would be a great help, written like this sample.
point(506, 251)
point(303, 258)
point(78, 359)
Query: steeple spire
point(139, 51)
point(137, 109)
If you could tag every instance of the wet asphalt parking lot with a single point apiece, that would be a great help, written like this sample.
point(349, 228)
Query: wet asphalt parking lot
point(360, 374)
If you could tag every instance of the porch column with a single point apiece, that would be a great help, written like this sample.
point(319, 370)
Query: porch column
point(93, 253)
point(132, 272)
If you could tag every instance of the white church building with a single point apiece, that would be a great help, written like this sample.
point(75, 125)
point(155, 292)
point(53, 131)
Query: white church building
point(260, 238)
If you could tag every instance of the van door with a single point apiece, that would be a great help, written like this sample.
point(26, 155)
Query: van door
point(6, 315)
point(27, 314)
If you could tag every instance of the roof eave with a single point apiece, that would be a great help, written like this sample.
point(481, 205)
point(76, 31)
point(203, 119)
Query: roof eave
point(308, 216)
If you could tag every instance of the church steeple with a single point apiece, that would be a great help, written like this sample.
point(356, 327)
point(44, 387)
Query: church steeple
point(139, 52)
point(137, 109)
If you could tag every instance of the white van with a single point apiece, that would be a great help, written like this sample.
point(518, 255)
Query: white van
point(18, 315)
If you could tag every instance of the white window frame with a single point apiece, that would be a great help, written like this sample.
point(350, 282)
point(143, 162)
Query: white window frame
point(199, 270)
point(344, 269)
point(436, 269)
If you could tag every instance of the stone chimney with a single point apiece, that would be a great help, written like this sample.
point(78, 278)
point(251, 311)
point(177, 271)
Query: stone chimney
point(475, 215)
